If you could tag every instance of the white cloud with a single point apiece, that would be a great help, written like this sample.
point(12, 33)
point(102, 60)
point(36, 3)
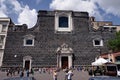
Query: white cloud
point(17, 6)
point(3, 9)
point(13, 7)
point(77, 5)
point(28, 16)
point(110, 6)
point(91, 6)
point(38, 1)
point(2, 14)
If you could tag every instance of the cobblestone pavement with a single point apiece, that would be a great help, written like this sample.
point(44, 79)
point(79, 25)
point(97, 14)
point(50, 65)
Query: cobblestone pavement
point(78, 75)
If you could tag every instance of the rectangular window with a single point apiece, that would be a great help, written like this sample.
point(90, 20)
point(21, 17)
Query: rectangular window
point(97, 42)
point(29, 42)
point(4, 28)
point(0, 28)
point(63, 22)
point(106, 28)
point(1, 40)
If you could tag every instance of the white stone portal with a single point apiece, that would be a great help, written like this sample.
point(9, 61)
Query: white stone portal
point(27, 61)
point(64, 56)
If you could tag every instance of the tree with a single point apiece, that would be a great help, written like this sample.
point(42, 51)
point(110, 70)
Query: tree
point(114, 44)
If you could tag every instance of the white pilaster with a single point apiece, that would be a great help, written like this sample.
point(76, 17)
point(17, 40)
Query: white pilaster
point(70, 61)
point(60, 61)
point(1, 57)
point(30, 65)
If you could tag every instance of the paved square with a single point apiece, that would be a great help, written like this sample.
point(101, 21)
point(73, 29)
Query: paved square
point(78, 75)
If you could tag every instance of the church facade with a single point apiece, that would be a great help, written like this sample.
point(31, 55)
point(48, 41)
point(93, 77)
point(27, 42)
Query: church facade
point(59, 38)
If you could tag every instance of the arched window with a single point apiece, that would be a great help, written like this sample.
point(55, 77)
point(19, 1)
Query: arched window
point(63, 22)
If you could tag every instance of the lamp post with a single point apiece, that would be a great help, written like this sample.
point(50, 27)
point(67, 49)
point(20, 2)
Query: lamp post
point(15, 56)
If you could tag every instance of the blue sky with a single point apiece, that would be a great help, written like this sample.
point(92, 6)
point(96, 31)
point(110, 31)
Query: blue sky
point(25, 11)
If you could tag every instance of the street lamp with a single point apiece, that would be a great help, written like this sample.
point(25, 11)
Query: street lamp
point(15, 55)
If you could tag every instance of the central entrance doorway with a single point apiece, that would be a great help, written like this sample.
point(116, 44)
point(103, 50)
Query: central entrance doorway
point(64, 62)
point(27, 64)
point(64, 56)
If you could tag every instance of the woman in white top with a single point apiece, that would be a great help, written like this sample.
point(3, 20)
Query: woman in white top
point(70, 74)
point(55, 75)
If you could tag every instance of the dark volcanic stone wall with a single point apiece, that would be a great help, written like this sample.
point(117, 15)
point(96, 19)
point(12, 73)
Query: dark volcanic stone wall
point(47, 41)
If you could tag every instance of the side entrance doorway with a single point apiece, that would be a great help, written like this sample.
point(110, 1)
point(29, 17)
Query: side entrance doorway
point(27, 61)
point(27, 65)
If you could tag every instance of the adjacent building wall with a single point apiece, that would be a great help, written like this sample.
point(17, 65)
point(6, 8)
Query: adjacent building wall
point(4, 23)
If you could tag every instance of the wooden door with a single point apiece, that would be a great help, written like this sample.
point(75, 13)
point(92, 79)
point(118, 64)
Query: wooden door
point(27, 65)
point(64, 62)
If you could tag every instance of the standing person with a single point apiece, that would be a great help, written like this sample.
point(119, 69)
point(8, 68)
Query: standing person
point(70, 74)
point(11, 71)
point(18, 70)
point(40, 70)
point(32, 71)
point(55, 75)
point(66, 73)
point(27, 73)
point(8, 72)
point(22, 73)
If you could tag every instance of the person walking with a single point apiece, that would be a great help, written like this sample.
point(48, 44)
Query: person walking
point(70, 74)
point(55, 75)
point(8, 72)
